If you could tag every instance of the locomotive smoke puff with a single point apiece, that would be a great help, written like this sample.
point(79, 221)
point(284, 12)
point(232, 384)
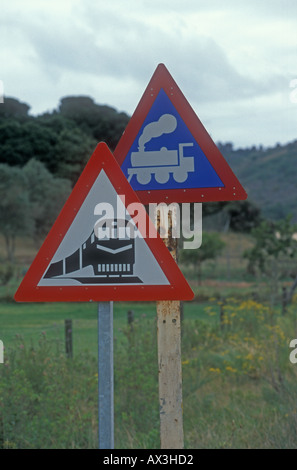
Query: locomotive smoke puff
point(165, 125)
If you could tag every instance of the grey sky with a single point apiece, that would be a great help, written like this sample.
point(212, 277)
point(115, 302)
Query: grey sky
point(234, 60)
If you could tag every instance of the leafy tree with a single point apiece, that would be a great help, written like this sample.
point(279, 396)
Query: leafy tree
point(56, 122)
point(274, 245)
point(80, 109)
point(243, 215)
point(53, 140)
point(272, 241)
point(30, 200)
point(211, 208)
point(21, 141)
point(211, 247)
point(102, 122)
point(15, 209)
point(47, 194)
point(73, 150)
point(239, 216)
point(13, 108)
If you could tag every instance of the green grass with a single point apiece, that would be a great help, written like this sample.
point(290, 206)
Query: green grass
point(31, 319)
point(238, 384)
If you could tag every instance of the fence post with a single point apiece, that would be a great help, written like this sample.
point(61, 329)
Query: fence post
point(130, 318)
point(284, 300)
point(222, 318)
point(68, 338)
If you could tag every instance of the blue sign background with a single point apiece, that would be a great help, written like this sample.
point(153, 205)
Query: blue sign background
point(203, 176)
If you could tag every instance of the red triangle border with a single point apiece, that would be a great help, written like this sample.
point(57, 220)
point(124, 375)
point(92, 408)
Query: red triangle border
point(29, 291)
point(232, 189)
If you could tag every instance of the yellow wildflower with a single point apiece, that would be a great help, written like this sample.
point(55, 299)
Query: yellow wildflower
point(212, 369)
point(231, 369)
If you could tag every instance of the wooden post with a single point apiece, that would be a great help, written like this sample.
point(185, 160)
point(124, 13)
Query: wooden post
point(284, 300)
point(130, 317)
point(222, 319)
point(169, 359)
point(68, 338)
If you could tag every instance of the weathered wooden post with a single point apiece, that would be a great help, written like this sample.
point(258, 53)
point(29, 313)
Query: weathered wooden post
point(169, 357)
point(284, 300)
point(130, 318)
point(222, 316)
point(68, 338)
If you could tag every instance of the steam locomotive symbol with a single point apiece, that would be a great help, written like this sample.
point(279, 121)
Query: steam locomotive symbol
point(160, 163)
point(111, 258)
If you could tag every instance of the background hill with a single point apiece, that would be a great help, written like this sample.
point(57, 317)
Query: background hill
point(268, 175)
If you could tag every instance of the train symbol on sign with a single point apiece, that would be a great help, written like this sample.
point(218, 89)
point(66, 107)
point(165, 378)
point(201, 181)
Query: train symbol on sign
point(160, 163)
point(112, 259)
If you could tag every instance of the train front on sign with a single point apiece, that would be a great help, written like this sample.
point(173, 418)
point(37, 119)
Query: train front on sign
point(109, 251)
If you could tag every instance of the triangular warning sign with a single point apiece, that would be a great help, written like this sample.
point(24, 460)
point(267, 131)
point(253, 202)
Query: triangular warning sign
point(103, 246)
point(167, 155)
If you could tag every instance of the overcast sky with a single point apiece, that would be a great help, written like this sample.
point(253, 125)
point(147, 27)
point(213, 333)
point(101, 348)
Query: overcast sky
point(234, 60)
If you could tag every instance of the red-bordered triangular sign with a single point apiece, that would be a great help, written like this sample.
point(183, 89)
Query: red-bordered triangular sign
point(166, 153)
point(94, 251)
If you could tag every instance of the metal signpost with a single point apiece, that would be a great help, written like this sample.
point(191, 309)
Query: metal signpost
point(105, 375)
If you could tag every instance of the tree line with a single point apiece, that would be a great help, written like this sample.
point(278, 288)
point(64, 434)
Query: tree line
point(41, 157)
point(63, 139)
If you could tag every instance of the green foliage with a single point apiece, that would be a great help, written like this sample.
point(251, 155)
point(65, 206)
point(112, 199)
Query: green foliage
point(7, 272)
point(47, 401)
point(21, 141)
point(47, 195)
point(102, 122)
point(73, 146)
point(13, 108)
point(52, 149)
point(239, 216)
point(15, 214)
point(269, 176)
point(243, 215)
point(272, 241)
point(136, 386)
point(211, 247)
point(73, 151)
point(58, 143)
point(274, 253)
point(30, 199)
point(235, 368)
point(210, 208)
point(63, 140)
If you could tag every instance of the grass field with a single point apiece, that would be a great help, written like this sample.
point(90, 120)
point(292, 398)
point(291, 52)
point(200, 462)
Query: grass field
point(239, 386)
point(31, 319)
